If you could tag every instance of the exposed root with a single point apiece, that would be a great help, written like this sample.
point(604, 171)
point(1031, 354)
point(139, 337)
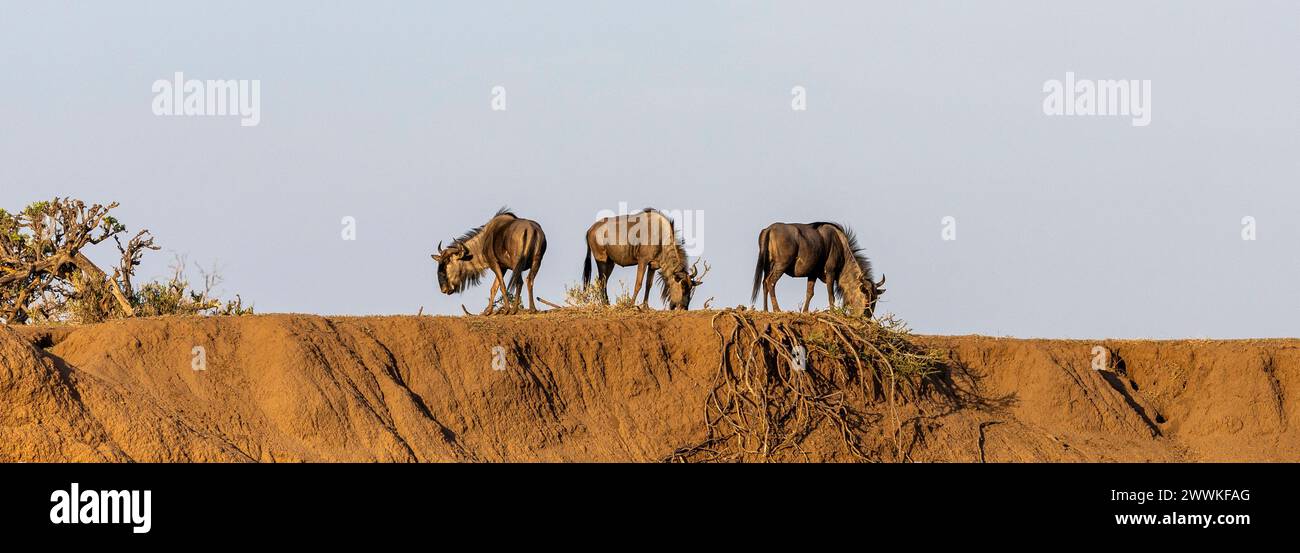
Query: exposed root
point(780, 382)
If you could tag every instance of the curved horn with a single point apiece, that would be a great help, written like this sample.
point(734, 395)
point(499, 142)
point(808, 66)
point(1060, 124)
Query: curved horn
point(440, 245)
point(882, 281)
point(695, 270)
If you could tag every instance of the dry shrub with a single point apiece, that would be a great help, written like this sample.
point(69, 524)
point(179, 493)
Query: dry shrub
point(591, 297)
point(175, 296)
point(579, 296)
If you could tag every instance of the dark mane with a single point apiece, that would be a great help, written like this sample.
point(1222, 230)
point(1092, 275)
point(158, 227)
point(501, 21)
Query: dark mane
point(863, 263)
point(663, 285)
point(467, 279)
point(476, 230)
point(663, 280)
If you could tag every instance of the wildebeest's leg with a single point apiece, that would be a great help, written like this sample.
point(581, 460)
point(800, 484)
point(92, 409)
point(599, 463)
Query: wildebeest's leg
point(606, 268)
point(532, 306)
point(501, 282)
point(492, 296)
point(830, 293)
point(649, 283)
point(770, 285)
point(532, 273)
point(774, 272)
point(636, 290)
point(808, 299)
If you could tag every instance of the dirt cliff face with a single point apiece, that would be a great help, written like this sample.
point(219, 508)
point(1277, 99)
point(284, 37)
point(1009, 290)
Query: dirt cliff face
point(1201, 400)
point(608, 387)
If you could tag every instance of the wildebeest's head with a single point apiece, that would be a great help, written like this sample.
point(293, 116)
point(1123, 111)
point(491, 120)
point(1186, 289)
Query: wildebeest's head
point(680, 285)
point(453, 267)
point(862, 299)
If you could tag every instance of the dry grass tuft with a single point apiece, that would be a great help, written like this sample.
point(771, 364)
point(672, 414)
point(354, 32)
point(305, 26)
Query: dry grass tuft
point(591, 298)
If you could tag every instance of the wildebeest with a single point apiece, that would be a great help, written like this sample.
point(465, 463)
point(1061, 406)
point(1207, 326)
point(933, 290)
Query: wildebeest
point(505, 242)
point(648, 240)
point(819, 251)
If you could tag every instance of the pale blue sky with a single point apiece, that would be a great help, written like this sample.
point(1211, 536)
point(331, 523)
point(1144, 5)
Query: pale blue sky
point(1067, 226)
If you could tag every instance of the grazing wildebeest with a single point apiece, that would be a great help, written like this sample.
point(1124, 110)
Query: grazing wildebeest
point(819, 251)
point(648, 240)
point(506, 242)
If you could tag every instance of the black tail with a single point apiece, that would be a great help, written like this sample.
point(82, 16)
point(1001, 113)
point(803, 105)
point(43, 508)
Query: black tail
point(761, 267)
point(586, 266)
point(516, 286)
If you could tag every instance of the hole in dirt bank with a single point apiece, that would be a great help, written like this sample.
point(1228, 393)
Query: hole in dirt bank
point(1160, 419)
point(48, 338)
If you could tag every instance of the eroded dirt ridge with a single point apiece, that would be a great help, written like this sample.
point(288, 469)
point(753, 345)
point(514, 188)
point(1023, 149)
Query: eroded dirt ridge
point(696, 386)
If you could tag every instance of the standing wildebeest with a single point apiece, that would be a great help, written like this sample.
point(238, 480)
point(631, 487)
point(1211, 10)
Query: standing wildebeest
point(819, 251)
point(649, 241)
point(504, 243)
